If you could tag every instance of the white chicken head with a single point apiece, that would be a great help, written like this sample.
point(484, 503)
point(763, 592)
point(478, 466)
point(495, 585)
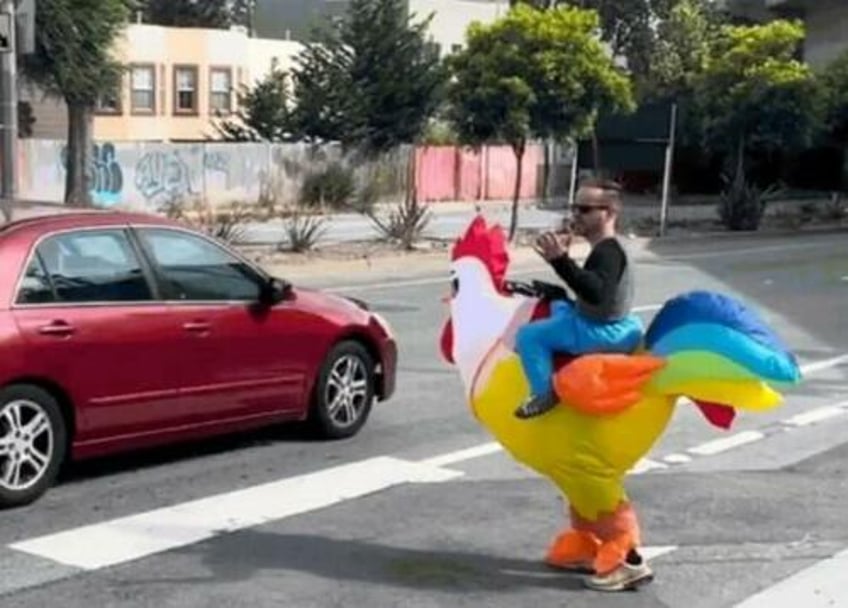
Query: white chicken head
point(480, 309)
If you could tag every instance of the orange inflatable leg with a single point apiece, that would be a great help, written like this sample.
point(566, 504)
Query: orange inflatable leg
point(573, 549)
point(618, 533)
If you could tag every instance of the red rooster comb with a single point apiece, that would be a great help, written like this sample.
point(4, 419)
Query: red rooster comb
point(487, 245)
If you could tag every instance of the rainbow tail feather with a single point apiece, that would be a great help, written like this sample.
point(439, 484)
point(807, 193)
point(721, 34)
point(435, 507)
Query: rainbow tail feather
point(720, 354)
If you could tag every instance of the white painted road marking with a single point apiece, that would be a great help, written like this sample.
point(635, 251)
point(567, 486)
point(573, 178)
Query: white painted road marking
point(677, 459)
point(450, 458)
point(645, 465)
point(817, 415)
point(818, 366)
point(650, 553)
point(819, 586)
point(726, 443)
point(127, 538)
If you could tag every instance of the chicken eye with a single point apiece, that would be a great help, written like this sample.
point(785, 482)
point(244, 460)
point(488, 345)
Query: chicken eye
point(454, 285)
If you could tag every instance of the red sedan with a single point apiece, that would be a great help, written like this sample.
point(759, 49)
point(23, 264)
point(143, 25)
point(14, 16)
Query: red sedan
point(120, 331)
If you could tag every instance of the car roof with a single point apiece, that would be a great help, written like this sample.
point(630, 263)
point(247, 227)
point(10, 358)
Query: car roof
point(69, 220)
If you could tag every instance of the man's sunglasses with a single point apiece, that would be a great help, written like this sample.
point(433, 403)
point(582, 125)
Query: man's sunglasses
point(581, 209)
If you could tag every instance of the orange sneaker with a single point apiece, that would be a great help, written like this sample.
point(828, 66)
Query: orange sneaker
point(575, 551)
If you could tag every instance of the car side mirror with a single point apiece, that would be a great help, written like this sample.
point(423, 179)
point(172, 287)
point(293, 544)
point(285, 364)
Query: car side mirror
point(274, 291)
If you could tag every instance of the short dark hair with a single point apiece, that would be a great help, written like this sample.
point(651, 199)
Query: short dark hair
point(612, 190)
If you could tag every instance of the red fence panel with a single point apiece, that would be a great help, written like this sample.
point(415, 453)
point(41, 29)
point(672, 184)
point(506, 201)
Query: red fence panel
point(448, 173)
point(436, 173)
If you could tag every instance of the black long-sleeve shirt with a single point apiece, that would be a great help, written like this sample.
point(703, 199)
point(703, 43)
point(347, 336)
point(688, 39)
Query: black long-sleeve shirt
point(597, 283)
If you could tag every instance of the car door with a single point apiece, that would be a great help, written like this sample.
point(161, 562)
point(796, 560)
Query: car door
point(242, 359)
point(87, 308)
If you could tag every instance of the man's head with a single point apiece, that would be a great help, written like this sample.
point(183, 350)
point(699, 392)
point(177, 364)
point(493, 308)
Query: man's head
point(596, 208)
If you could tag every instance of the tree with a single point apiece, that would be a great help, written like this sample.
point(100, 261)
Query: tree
point(241, 13)
point(626, 26)
point(370, 80)
point(73, 61)
point(754, 94)
point(263, 113)
point(217, 14)
point(682, 50)
point(533, 74)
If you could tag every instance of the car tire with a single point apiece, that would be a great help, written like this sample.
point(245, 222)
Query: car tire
point(35, 453)
point(349, 369)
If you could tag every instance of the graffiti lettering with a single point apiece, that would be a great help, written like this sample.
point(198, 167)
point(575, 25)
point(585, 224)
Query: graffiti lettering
point(217, 161)
point(104, 174)
point(163, 174)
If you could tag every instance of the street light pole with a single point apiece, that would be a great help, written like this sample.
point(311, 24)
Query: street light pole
point(8, 106)
point(669, 156)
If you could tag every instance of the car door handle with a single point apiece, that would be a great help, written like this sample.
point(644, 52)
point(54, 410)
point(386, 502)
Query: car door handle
point(197, 326)
point(56, 328)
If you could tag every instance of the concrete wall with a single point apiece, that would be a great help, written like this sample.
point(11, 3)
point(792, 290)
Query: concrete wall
point(147, 175)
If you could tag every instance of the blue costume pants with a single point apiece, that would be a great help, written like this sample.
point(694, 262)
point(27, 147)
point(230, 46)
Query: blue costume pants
point(566, 331)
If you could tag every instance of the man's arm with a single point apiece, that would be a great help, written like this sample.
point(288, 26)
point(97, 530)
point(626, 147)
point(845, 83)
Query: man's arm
point(597, 280)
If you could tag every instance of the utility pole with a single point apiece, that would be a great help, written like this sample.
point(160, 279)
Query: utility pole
point(8, 105)
point(669, 158)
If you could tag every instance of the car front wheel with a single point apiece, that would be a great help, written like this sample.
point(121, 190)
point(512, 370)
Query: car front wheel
point(32, 443)
point(344, 392)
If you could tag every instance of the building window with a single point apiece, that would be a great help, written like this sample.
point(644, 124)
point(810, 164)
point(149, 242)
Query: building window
point(108, 104)
point(220, 86)
point(143, 89)
point(185, 90)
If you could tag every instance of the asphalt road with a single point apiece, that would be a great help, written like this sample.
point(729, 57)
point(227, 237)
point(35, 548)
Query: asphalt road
point(422, 510)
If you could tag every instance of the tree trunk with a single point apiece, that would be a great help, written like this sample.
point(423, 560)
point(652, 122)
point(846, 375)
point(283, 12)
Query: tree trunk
point(519, 159)
point(546, 172)
point(740, 158)
point(78, 176)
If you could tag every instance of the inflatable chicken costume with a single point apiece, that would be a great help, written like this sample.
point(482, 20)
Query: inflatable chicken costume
point(612, 408)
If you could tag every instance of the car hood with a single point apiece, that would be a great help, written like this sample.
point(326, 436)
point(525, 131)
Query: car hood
point(331, 304)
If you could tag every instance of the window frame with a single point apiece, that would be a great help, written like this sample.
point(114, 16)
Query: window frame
point(138, 111)
point(36, 258)
point(228, 70)
point(33, 253)
point(195, 110)
point(118, 93)
point(258, 275)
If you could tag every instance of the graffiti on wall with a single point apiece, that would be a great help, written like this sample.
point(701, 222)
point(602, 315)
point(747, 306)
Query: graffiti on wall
point(163, 175)
point(104, 174)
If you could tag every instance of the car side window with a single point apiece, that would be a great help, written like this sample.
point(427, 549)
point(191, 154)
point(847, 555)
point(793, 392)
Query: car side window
point(85, 266)
point(194, 269)
point(35, 287)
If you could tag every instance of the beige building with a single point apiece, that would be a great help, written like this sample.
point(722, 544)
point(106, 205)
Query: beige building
point(177, 81)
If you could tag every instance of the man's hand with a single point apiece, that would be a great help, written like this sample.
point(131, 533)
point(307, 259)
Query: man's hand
point(551, 245)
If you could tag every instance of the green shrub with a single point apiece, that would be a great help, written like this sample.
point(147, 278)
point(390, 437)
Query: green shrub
point(742, 204)
point(333, 187)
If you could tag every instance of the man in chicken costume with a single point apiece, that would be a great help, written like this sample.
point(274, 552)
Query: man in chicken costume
point(610, 408)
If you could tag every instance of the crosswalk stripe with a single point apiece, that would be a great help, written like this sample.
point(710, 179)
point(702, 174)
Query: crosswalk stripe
point(822, 585)
point(128, 538)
